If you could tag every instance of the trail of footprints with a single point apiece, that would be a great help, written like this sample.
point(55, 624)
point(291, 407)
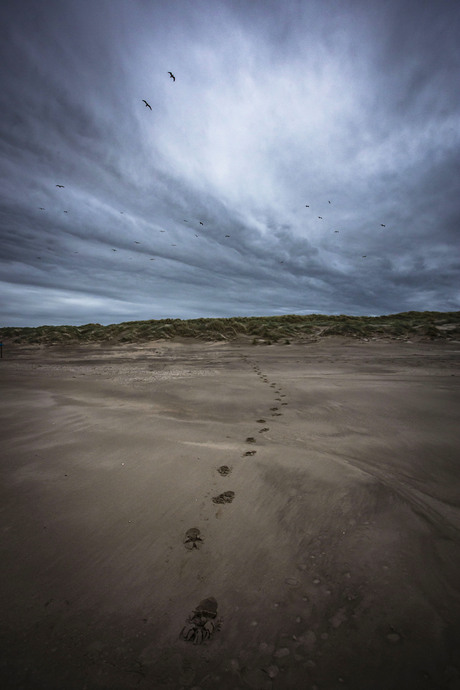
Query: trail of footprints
point(203, 622)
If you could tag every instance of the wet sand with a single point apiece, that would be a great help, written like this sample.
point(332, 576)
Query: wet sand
point(336, 564)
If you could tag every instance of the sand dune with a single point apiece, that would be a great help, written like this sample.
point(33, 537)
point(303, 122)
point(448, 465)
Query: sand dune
point(336, 564)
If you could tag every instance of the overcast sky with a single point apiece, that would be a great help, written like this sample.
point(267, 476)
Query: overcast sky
point(281, 112)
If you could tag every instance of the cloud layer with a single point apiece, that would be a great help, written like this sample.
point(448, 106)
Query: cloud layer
point(305, 159)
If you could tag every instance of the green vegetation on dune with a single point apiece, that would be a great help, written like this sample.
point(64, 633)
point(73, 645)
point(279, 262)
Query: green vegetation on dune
point(260, 329)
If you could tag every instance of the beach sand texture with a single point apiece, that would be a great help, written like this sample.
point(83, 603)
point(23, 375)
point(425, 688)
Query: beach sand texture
point(335, 564)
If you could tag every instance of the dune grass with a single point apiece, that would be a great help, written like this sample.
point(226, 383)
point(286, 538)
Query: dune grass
point(259, 329)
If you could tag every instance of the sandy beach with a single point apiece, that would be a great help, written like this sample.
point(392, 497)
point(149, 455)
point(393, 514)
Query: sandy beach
point(334, 564)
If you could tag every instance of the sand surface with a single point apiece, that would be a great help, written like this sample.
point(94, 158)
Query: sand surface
point(336, 565)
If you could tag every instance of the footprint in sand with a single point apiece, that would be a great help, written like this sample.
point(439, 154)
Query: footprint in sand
point(260, 421)
point(192, 539)
point(273, 409)
point(264, 429)
point(249, 452)
point(283, 403)
point(225, 497)
point(251, 439)
point(224, 470)
point(277, 414)
point(202, 622)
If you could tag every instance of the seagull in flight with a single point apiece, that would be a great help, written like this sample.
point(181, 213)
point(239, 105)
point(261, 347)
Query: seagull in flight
point(320, 217)
point(307, 206)
point(60, 185)
point(382, 225)
point(201, 223)
point(172, 76)
point(147, 105)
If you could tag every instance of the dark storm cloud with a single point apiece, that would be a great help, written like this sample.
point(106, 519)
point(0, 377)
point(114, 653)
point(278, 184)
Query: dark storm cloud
point(275, 107)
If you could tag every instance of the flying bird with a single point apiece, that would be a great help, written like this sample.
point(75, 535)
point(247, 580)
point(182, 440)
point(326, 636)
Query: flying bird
point(201, 223)
point(41, 208)
point(320, 217)
point(172, 76)
point(114, 250)
point(136, 242)
point(364, 256)
point(227, 235)
point(382, 225)
point(307, 206)
point(60, 185)
point(147, 105)
point(328, 202)
point(65, 211)
point(336, 231)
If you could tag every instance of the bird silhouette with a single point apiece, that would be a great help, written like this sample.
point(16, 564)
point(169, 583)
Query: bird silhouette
point(60, 185)
point(172, 76)
point(307, 206)
point(147, 105)
point(328, 202)
point(201, 223)
point(335, 230)
point(41, 208)
point(65, 211)
point(320, 217)
point(382, 225)
point(364, 256)
point(136, 242)
point(227, 235)
point(114, 250)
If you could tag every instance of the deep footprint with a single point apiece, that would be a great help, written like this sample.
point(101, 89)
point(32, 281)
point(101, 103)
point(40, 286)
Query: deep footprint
point(202, 622)
point(225, 497)
point(249, 452)
point(192, 538)
point(260, 421)
point(251, 439)
point(264, 429)
point(224, 470)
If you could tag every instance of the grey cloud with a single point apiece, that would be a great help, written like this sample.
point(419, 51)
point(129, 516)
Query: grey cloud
point(274, 107)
